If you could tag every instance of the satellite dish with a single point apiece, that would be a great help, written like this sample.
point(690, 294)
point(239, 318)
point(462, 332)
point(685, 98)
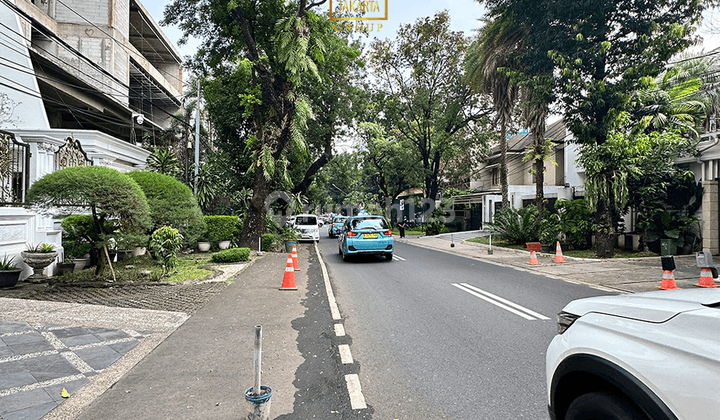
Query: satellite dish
point(139, 118)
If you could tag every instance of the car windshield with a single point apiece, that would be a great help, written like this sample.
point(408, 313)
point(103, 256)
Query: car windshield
point(370, 223)
point(306, 220)
point(339, 219)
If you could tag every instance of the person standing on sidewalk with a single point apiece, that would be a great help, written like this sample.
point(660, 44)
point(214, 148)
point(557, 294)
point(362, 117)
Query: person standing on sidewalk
point(402, 226)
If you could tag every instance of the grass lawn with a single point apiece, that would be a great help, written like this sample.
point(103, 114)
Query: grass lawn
point(583, 253)
point(187, 267)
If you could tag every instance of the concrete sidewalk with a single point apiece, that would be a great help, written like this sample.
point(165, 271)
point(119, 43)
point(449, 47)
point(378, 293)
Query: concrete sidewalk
point(619, 275)
point(202, 370)
point(127, 363)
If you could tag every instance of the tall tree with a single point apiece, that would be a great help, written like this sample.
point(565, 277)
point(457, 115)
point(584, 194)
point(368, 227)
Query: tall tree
point(270, 48)
point(422, 93)
point(498, 43)
point(603, 50)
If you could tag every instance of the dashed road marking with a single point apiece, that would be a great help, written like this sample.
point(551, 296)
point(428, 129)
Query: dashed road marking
point(396, 258)
point(357, 401)
point(345, 355)
point(501, 302)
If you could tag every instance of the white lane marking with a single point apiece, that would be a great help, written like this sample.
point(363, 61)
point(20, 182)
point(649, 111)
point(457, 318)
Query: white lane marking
point(339, 330)
point(357, 401)
point(497, 303)
point(331, 297)
point(507, 302)
point(345, 355)
point(396, 258)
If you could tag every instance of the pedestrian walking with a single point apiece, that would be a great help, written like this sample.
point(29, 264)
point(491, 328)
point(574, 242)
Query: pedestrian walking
point(402, 225)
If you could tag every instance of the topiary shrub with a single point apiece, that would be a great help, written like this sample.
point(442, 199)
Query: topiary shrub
point(231, 255)
point(268, 242)
point(172, 203)
point(108, 194)
point(222, 228)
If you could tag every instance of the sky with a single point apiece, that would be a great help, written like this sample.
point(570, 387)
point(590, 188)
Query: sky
point(464, 15)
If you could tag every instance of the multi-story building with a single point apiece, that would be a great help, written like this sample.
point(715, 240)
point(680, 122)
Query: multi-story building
point(81, 82)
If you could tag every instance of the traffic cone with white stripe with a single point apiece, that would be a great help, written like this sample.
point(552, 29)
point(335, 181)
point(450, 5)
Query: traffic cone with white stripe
point(706, 278)
point(558, 254)
point(296, 266)
point(533, 259)
point(668, 281)
point(289, 277)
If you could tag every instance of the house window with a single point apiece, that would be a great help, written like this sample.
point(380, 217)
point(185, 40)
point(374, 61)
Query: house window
point(496, 176)
point(14, 175)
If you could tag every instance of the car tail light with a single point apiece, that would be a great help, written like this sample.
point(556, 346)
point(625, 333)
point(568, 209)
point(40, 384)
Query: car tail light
point(388, 233)
point(565, 320)
point(351, 233)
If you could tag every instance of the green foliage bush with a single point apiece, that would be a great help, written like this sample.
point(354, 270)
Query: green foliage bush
point(576, 222)
point(516, 226)
point(268, 242)
point(172, 203)
point(222, 228)
point(165, 243)
point(231, 255)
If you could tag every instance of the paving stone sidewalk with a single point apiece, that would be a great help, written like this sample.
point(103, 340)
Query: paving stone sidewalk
point(85, 339)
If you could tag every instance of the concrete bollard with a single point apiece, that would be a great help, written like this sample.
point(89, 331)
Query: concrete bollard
point(258, 396)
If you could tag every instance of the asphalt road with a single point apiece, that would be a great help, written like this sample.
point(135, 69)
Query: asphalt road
point(441, 336)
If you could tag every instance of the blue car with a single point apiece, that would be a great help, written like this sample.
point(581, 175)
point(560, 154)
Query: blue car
point(366, 235)
point(336, 226)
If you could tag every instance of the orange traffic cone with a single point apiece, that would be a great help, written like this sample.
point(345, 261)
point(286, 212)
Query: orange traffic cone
point(533, 259)
point(706, 278)
point(558, 254)
point(668, 281)
point(289, 277)
point(294, 259)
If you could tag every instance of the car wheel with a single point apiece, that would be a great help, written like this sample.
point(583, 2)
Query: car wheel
point(346, 257)
point(388, 257)
point(602, 406)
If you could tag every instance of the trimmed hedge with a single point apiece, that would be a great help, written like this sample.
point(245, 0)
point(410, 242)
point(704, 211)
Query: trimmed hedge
point(172, 203)
point(231, 255)
point(268, 242)
point(222, 228)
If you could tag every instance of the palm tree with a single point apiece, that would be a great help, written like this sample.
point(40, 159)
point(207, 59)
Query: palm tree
point(679, 98)
point(487, 58)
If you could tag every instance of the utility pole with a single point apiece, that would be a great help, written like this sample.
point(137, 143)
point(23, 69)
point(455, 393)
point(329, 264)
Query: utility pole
point(197, 136)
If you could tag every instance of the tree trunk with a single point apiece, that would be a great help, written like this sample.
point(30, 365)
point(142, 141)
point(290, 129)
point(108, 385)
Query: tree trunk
point(254, 225)
point(539, 183)
point(503, 167)
point(605, 234)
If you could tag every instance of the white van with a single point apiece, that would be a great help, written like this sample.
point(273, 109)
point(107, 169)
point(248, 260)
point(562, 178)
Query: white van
point(308, 227)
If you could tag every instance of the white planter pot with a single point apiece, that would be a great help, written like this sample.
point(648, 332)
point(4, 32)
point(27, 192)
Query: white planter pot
point(204, 246)
point(138, 251)
point(224, 244)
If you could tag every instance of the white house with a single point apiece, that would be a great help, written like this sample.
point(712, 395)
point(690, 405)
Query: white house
point(80, 83)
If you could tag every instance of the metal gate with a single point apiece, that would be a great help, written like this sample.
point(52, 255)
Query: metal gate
point(14, 169)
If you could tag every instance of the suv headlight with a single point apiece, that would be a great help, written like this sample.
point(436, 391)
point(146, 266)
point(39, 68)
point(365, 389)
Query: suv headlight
point(565, 320)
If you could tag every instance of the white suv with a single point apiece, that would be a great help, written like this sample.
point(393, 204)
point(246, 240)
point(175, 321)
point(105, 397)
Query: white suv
point(644, 356)
point(307, 225)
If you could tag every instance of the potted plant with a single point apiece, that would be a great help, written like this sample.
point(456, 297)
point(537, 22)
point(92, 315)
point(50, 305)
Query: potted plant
point(550, 230)
point(77, 255)
point(38, 257)
point(9, 272)
point(224, 244)
point(289, 236)
point(203, 245)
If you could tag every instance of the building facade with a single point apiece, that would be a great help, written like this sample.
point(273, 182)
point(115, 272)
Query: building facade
point(81, 83)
